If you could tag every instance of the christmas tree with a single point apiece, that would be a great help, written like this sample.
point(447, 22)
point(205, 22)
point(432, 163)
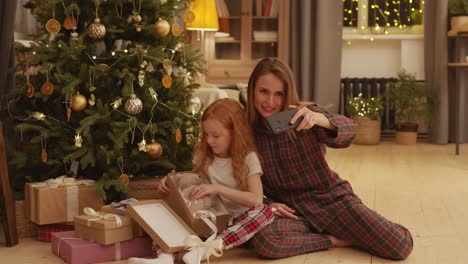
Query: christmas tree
point(105, 85)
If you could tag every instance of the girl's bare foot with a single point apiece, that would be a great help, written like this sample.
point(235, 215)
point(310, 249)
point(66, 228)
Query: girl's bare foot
point(339, 242)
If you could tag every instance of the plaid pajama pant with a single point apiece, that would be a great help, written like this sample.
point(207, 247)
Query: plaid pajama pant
point(365, 228)
point(246, 225)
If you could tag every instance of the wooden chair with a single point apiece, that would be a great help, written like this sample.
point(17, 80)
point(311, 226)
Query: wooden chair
point(7, 206)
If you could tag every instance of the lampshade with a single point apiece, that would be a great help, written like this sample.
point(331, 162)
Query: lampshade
point(206, 16)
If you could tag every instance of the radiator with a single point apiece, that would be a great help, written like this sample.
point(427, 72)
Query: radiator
point(369, 87)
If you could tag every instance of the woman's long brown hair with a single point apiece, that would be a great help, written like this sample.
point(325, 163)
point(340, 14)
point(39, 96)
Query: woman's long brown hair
point(282, 71)
point(231, 115)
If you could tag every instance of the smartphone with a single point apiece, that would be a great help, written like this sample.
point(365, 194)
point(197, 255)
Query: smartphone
point(279, 122)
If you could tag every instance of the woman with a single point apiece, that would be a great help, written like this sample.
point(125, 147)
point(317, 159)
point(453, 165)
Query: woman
point(315, 209)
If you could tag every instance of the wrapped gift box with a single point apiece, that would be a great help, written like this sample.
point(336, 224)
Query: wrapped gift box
point(177, 202)
point(44, 232)
point(137, 230)
point(103, 228)
point(144, 188)
point(77, 251)
point(59, 200)
point(161, 223)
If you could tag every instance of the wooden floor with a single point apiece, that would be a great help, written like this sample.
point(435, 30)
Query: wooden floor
point(424, 187)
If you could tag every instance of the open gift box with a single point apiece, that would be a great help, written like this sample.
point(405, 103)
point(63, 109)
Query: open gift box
point(187, 210)
point(104, 228)
point(161, 223)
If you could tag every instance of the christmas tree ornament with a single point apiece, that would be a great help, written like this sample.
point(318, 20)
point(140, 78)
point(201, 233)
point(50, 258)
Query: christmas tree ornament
point(29, 90)
point(167, 65)
point(124, 179)
point(178, 135)
point(38, 116)
point(167, 81)
point(161, 27)
point(47, 88)
point(92, 100)
point(97, 30)
point(136, 15)
point(154, 149)
point(69, 111)
point(116, 103)
point(176, 30)
point(133, 105)
point(188, 16)
point(78, 102)
point(142, 145)
point(102, 68)
point(43, 149)
point(78, 140)
point(195, 105)
point(69, 22)
point(52, 26)
point(74, 37)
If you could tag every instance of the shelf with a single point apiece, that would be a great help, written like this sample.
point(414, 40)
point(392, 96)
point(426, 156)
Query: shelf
point(458, 64)
point(265, 41)
point(226, 41)
point(264, 17)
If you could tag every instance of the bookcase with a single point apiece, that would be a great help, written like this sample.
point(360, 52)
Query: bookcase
point(249, 30)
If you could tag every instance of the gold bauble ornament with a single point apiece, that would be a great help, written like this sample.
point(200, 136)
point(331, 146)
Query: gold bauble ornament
point(47, 88)
point(52, 26)
point(124, 179)
point(29, 88)
point(134, 105)
point(102, 68)
point(154, 150)
point(78, 102)
point(69, 22)
point(97, 30)
point(162, 27)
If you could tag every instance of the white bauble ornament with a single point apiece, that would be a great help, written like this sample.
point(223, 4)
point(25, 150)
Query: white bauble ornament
point(134, 105)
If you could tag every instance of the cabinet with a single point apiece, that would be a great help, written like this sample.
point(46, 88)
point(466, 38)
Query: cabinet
point(254, 29)
point(458, 65)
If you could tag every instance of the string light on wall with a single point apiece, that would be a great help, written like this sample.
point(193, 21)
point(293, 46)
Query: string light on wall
point(376, 16)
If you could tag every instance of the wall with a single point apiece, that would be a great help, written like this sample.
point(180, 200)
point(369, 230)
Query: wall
point(383, 57)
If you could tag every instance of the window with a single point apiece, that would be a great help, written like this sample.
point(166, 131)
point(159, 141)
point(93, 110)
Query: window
point(375, 14)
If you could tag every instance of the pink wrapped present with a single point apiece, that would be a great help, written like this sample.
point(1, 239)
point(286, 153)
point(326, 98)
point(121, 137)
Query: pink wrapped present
point(77, 251)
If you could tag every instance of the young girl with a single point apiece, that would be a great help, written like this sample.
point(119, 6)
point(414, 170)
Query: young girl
point(226, 156)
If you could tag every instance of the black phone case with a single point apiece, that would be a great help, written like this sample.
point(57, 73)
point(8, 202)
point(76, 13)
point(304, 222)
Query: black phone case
point(279, 122)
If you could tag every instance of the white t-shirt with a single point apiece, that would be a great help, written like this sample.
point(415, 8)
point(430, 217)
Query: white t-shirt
point(220, 172)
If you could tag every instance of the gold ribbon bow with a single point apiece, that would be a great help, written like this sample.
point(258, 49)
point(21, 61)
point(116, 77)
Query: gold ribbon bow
point(110, 217)
point(214, 247)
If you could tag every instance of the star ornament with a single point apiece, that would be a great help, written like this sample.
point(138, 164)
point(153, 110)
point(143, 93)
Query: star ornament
point(142, 146)
point(78, 140)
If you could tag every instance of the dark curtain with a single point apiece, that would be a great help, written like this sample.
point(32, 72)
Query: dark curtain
point(316, 27)
point(7, 24)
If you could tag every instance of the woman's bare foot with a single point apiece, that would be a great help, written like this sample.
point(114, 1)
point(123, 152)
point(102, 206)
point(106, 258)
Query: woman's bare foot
point(339, 242)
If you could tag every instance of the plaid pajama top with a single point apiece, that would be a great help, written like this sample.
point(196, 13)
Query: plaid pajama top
point(297, 174)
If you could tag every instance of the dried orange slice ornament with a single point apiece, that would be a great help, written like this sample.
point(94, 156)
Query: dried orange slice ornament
point(167, 81)
point(124, 179)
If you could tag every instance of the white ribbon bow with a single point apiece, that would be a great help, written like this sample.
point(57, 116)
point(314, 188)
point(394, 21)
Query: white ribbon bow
point(110, 217)
point(213, 246)
point(63, 181)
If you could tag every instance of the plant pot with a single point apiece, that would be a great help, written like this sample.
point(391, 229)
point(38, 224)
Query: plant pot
point(407, 134)
point(368, 131)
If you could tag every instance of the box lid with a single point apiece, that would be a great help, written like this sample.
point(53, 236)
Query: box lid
point(103, 221)
point(161, 223)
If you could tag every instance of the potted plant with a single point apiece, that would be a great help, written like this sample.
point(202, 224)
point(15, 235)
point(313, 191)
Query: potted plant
point(366, 112)
point(458, 11)
point(412, 102)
